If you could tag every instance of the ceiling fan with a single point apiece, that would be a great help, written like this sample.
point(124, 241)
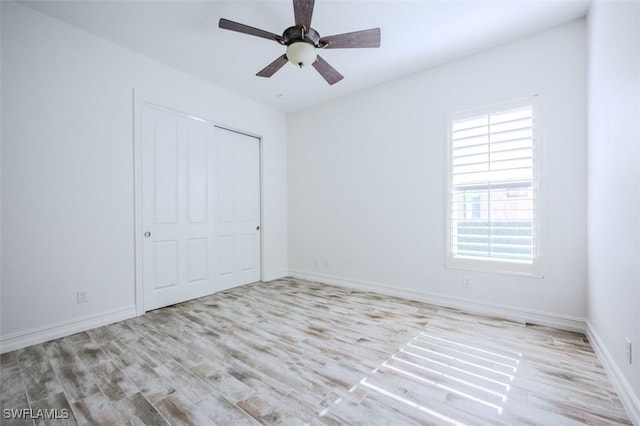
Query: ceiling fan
point(302, 41)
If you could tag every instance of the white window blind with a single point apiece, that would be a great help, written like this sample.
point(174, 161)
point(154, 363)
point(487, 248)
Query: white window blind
point(493, 195)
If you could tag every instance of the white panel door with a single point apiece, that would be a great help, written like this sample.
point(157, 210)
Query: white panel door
point(178, 184)
point(237, 208)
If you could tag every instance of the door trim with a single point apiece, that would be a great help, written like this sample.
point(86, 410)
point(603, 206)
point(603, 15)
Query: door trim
point(139, 102)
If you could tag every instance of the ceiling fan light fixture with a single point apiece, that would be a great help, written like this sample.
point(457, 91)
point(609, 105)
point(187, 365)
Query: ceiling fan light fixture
point(301, 53)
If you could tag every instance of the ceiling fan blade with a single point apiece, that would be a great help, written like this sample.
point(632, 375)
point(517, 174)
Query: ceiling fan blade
point(226, 24)
point(364, 38)
point(327, 71)
point(303, 11)
point(274, 66)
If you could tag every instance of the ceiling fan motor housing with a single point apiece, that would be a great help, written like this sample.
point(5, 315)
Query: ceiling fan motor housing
point(299, 33)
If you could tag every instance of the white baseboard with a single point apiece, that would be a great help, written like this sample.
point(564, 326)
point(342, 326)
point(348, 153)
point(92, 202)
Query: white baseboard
point(34, 336)
point(563, 322)
point(625, 392)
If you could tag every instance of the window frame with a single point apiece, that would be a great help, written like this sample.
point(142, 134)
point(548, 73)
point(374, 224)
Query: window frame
point(488, 264)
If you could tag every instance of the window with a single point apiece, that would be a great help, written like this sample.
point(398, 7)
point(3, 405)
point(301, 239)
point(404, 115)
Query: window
point(493, 197)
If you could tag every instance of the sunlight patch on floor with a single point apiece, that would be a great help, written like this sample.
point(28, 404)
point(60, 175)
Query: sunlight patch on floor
point(479, 376)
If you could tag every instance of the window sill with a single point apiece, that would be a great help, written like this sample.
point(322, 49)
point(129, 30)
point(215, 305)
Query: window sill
point(493, 267)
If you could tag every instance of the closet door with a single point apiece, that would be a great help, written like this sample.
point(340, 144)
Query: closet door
point(237, 208)
point(178, 155)
point(200, 208)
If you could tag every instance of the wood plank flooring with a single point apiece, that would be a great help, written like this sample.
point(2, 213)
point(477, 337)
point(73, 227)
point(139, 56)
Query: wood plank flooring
point(294, 352)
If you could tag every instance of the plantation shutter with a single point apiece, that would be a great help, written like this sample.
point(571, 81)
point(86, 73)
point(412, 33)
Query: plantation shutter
point(492, 186)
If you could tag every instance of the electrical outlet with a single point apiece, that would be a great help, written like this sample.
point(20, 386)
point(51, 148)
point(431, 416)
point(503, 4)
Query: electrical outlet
point(466, 282)
point(82, 296)
point(629, 350)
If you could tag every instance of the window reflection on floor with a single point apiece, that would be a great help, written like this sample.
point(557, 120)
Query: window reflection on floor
point(428, 364)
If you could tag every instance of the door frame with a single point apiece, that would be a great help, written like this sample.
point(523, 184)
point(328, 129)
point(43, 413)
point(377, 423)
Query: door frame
point(139, 102)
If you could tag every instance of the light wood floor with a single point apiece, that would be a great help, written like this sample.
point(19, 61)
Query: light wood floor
point(294, 352)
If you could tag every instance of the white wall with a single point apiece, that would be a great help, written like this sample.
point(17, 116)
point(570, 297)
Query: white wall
point(67, 168)
point(367, 180)
point(614, 184)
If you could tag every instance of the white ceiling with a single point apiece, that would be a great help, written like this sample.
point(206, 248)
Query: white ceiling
point(415, 35)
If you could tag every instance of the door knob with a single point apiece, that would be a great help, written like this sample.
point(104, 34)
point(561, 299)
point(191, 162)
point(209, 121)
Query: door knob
point(258, 228)
point(147, 234)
